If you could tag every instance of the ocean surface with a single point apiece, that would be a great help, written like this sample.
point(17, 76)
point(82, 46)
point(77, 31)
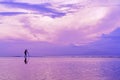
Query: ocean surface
point(60, 69)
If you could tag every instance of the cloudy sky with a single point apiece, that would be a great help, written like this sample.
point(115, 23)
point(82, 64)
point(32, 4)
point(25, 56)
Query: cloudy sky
point(59, 27)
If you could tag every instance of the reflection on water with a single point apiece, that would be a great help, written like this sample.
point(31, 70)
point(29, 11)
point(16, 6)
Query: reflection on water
point(60, 69)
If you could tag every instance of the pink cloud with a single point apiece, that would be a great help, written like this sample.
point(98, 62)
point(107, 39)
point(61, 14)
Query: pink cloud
point(81, 27)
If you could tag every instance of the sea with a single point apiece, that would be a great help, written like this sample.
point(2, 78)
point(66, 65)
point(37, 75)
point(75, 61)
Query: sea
point(59, 68)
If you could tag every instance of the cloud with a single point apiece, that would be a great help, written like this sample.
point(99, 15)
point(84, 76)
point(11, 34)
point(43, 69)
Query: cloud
point(34, 7)
point(81, 26)
point(11, 13)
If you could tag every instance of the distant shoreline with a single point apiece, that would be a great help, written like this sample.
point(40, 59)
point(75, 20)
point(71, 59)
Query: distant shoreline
point(68, 56)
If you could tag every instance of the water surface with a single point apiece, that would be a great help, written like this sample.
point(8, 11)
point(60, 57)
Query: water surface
point(60, 69)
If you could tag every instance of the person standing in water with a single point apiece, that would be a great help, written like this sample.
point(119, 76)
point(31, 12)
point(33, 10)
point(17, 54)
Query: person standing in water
point(25, 56)
point(25, 53)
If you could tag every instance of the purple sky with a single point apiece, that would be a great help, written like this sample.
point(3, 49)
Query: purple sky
point(59, 27)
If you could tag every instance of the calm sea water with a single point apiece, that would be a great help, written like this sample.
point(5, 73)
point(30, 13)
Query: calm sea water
point(60, 69)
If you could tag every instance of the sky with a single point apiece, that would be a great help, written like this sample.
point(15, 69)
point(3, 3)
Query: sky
point(59, 27)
